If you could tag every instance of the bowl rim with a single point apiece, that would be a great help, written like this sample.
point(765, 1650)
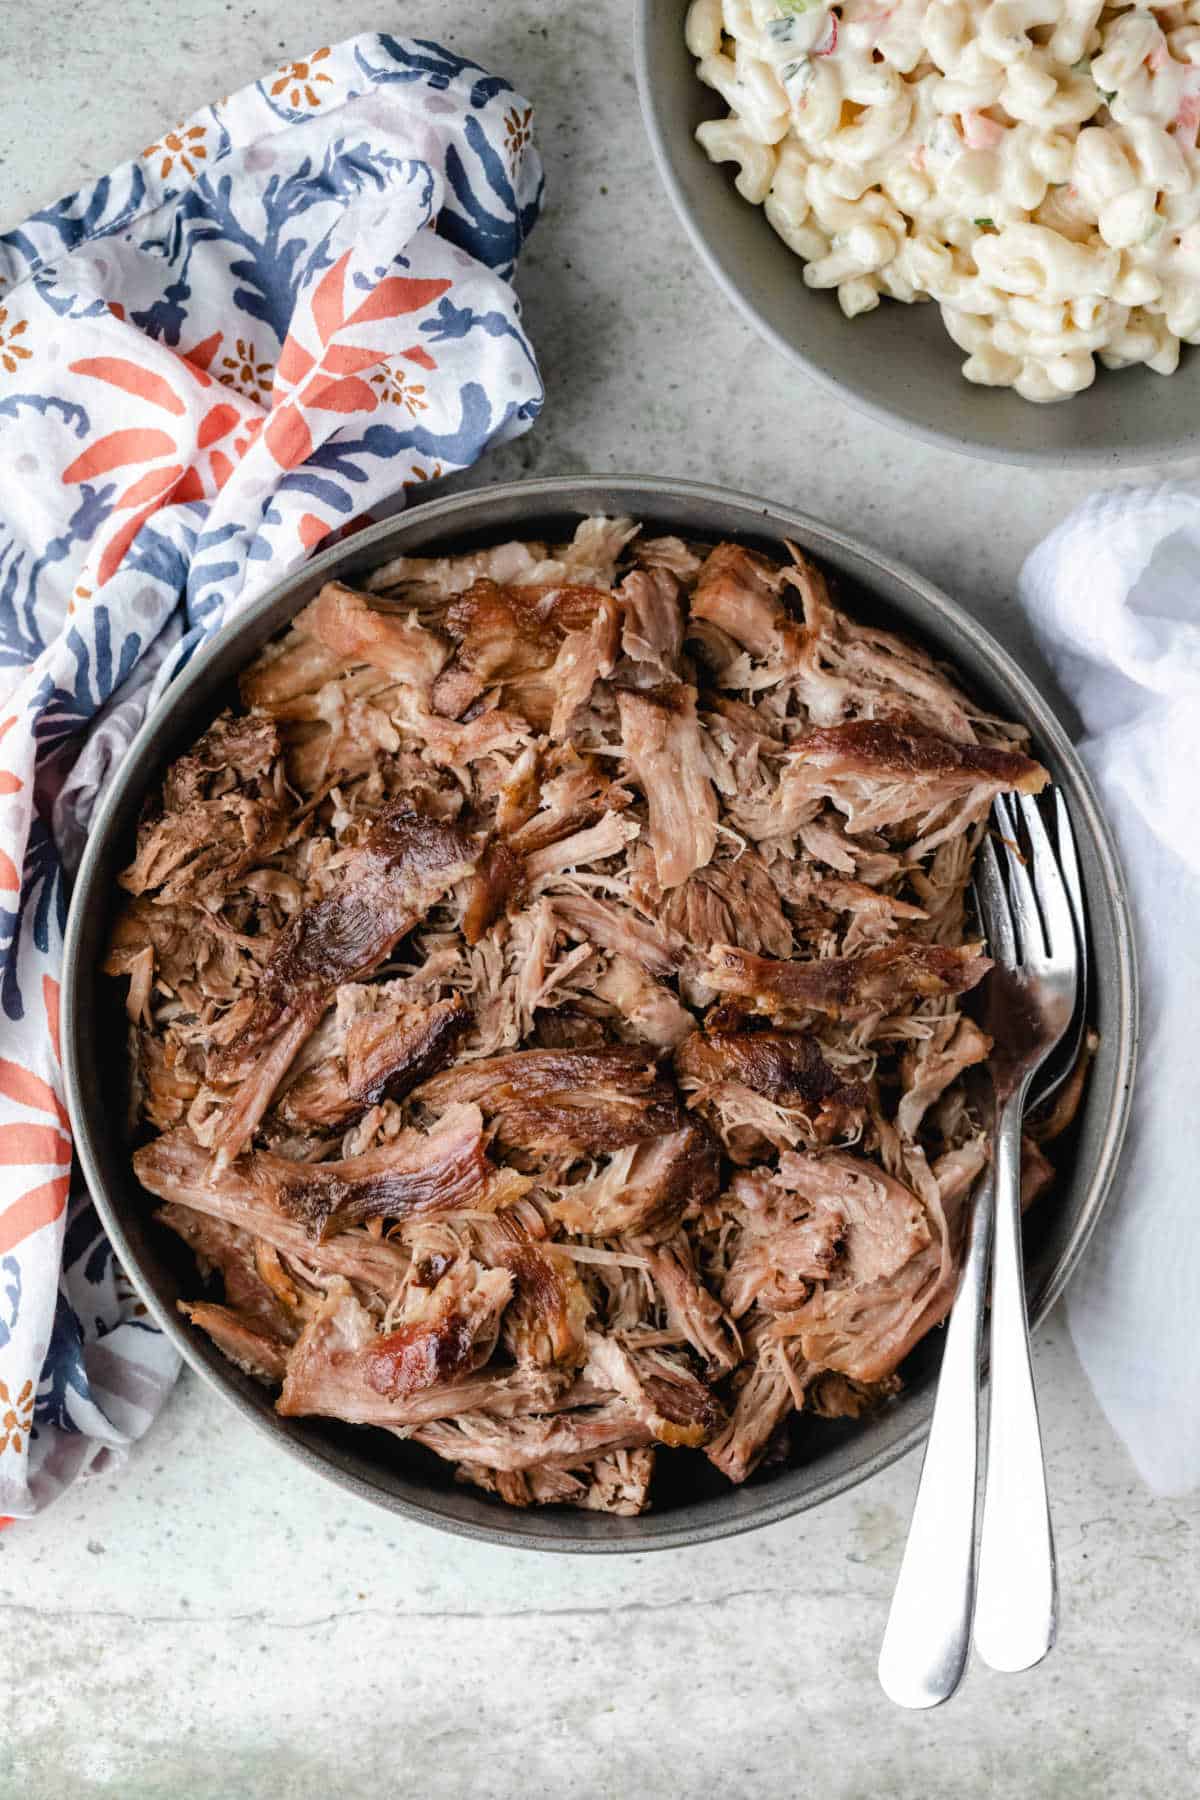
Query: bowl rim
point(663, 141)
point(577, 493)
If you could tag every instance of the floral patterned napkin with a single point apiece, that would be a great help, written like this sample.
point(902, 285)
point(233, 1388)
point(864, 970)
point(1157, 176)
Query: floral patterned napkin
point(263, 330)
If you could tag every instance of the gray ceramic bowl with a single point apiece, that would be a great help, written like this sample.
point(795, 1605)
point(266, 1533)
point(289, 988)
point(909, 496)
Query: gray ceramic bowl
point(898, 364)
point(696, 1503)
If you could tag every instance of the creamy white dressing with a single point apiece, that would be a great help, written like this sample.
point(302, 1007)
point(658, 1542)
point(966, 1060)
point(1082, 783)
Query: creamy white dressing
point(1031, 167)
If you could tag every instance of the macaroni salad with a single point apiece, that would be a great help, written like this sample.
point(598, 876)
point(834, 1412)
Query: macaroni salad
point(1031, 165)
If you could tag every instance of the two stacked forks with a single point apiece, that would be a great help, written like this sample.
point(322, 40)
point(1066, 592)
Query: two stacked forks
point(1030, 901)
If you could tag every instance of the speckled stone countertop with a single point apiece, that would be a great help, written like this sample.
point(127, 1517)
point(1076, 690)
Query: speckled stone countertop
point(215, 1623)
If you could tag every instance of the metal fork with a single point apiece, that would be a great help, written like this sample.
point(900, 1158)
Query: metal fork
point(1037, 1001)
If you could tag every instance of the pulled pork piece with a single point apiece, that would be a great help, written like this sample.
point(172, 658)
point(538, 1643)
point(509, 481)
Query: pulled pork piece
point(927, 1071)
point(888, 775)
point(259, 1317)
point(607, 837)
point(660, 1390)
point(763, 1402)
point(388, 1050)
point(564, 1441)
point(848, 987)
point(785, 1067)
point(645, 1189)
point(864, 1328)
point(168, 1086)
point(543, 646)
point(590, 557)
point(496, 884)
point(584, 658)
point(248, 1347)
point(574, 793)
point(355, 630)
point(340, 1369)
point(407, 1177)
point(661, 738)
point(617, 929)
point(441, 577)
point(619, 1483)
point(873, 918)
point(220, 815)
point(834, 1396)
point(588, 1101)
point(547, 1321)
point(880, 1222)
point(234, 752)
point(443, 1331)
point(783, 1248)
point(176, 1168)
point(653, 629)
point(691, 1309)
point(641, 1007)
point(739, 593)
point(866, 1332)
point(732, 901)
point(407, 862)
point(1050, 1123)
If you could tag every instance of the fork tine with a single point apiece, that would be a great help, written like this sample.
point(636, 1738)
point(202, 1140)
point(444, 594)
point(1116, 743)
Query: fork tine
point(1031, 939)
point(993, 906)
point(1051, 892)
point(1068, 862)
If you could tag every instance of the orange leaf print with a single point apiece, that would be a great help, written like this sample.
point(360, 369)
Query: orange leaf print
point(131, 378)
point(345, 396)
point(40, 1206)
point(421, 357)
point(10, 879)
point(17, 1083)
point(328, 304)
point(33, 1144)
point(222, 468)
point(152, 484)
point(395, 295)
point(120, 541)
point(294, 363)
point(201, 354)
point(288, 437)
point(344, 359)
point(190, 487)
point(311, 530)
point(134, 445)
point(50, 1002)
point(10, 783)
point(217, 424)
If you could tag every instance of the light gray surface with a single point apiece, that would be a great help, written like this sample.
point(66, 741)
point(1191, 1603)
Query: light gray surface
point(216, 1623)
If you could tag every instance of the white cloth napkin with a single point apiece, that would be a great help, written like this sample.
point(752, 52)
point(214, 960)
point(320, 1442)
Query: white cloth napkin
point(1114, 597)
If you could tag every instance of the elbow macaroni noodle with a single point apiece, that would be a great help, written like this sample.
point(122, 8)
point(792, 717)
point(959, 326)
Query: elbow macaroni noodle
point(1031, 165)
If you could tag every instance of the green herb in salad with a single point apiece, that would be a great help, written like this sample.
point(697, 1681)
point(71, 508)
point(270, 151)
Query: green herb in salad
point(985, 224)
point(793, 8)
point(1084, 67)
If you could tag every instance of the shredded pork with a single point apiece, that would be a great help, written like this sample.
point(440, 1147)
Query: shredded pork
point(545, 1002)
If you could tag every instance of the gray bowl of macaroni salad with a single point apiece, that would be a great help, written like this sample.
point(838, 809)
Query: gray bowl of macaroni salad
point(979, 223)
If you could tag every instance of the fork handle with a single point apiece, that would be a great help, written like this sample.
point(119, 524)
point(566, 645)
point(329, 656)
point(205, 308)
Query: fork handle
point(1017, 1599)
point(928, 1631)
